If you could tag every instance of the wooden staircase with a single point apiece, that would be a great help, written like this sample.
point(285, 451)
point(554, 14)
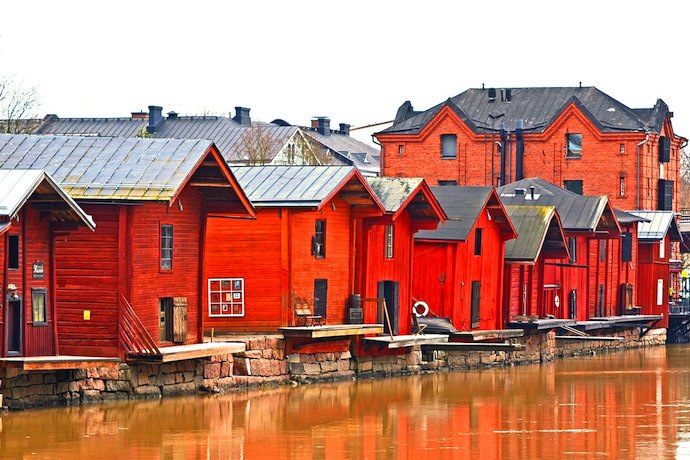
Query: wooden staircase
point(132, 334)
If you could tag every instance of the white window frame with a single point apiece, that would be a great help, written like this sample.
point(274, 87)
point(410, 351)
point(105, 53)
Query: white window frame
point(662, 248)
point(389, 252)
point(230, 298)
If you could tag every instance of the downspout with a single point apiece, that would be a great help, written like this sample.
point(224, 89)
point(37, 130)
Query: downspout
point(639, 149)
point(503, 156)
point(519, 153)
point(381, 153)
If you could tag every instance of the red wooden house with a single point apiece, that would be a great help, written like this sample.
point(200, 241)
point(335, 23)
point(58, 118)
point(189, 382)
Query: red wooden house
point(34, 213)
point(654, 269)
point(626, 253)
point(136, 280)
point(458, 268)
point(299, 250)
point(540, 240)
point(579, 138)
point(584, 281)
point(385, 247)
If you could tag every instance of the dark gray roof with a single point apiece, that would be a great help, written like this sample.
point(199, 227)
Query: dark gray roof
point(624, 217)
point(292, 186)
point(538, 229)
point(537, 108)
point(365, 157)
point(103, 127)
point(462, 206)
point(658, 224)
point(107, 167)
point(577, 212)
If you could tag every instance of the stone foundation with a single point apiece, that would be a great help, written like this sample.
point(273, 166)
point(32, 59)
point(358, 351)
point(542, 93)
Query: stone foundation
point(265, 362)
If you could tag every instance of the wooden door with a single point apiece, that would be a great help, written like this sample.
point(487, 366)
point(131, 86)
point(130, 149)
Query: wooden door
point(14, 327)
point(320, 297)
point(180, 319)
point(390, 291)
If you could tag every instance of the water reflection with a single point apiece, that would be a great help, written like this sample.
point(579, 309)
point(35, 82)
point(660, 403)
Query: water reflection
point(634, 404)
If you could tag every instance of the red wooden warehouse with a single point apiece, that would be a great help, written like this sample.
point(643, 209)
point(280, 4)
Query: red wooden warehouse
point(385, 269)
point(134, 283)
point(584, 282)
point(540, 239)
point(298, 252)
point(654, 269)
point(458, 268)
point(34, 213)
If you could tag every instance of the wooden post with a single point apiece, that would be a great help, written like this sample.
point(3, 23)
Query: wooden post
point(388, 320)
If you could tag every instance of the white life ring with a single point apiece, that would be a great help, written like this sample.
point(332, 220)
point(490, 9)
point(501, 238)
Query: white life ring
point(425, 308)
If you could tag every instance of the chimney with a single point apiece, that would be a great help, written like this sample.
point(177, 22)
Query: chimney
point(324, 126)
point(345, 129)
point(139, 115)
point(155, 118)
point(242, 116)
point(172, 115)
point(492, 94)
point(531, 191)
point(509, 94)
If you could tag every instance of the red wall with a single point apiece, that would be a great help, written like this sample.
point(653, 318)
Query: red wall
point(273, 254)
point(461, 267)
point(600, 167)
point(652, 268)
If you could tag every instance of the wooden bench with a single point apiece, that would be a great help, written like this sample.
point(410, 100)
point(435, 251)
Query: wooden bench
point(303, 312)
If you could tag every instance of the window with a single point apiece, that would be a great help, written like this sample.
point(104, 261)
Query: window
point(447, 182)
point(574, 142)
point(226, 297)
point(390, 238)
point(478, 242)
point(621, 148)
point(626, 247)
point(449, 143)
point(401, 150)
point(572, 249)
point(574, 186)
point(318, 241)
point(621, 186)
point(602, 250)
point(662, 249)
point(13, 256)
point(166, 246)
point(38, 306)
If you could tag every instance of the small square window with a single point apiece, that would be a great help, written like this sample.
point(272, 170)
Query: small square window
point(621, 148)
point(447, 182)
point(574, 142)
point(574, 186)
point(449, 145)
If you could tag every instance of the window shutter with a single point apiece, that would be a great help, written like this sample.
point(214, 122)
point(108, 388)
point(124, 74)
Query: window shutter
point(626, 247)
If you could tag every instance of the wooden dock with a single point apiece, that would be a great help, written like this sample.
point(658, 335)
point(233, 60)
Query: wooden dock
point(335, 330)
point(402, 341)
point(469, 346)
point(53, 363)
point(192, 351)
point(484, 335)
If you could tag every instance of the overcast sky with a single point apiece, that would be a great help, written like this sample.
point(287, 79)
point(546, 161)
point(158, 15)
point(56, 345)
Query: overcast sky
point(354, 61)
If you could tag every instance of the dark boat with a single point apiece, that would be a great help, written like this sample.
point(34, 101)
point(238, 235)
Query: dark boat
point(436, 325)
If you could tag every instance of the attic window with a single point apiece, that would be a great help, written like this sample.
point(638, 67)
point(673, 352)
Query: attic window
point(449, 145)
point(574, 143)
point(621, 149)
point(401, 150)
point(390, 240)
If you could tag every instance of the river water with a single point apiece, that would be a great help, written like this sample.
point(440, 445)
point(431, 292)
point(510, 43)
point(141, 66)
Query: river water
point(626, 405)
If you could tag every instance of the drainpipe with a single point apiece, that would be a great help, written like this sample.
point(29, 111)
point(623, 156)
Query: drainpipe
point(639, 149)
point(381, 153)
point(503, 156)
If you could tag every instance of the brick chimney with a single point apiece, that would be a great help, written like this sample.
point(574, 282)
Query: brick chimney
point(155, 118)
point(324, 126)
point(242, 116)
point(345, 129)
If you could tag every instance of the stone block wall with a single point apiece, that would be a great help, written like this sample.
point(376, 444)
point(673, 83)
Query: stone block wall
point(309, 367)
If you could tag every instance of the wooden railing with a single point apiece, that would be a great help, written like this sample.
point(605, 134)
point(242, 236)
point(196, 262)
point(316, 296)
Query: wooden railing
point(132, 334)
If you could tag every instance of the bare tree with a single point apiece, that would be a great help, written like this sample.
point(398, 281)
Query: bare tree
point(257, 146)
point(309, 152)
point(17, 107)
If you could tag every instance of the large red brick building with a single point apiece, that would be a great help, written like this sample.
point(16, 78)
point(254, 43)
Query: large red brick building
point(579, 138)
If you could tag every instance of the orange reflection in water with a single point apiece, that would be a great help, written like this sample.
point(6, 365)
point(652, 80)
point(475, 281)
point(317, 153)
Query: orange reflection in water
point(634, 404)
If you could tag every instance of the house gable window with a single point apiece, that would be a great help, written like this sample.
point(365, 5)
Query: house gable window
point(390, 241)
point(166, 246)
point(13, 254)
point(449, 145)
point(574, 145)
point(318, 241)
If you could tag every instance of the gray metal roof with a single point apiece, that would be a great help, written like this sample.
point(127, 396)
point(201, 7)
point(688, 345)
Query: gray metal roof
point(538, 229)
point(291, 186)
point(393, 192)
point(18, 185)
point(577, 212)
point(103, 127)
point(365, 157)
point(107, 167)
point(627, 217)
point(658, 224)
point(462, 206)
point(537, 108)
